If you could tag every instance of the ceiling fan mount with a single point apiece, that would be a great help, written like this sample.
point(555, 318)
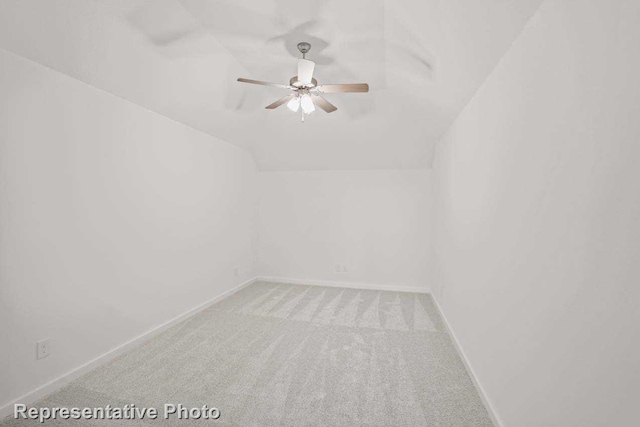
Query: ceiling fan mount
point(306, 93)
point(304, 47)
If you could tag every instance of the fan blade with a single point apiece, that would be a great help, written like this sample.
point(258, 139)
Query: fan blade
point(258, 82)
point(353, 87)
point(279, 102)
point(305, 70)
point(323, 103)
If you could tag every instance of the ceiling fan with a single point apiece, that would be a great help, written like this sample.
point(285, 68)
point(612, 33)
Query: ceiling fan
point(306, 94)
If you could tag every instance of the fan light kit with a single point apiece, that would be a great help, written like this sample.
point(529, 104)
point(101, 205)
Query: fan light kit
point(306, 94)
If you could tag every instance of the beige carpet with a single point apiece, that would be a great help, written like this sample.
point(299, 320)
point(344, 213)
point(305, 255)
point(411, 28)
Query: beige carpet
point(288, 355)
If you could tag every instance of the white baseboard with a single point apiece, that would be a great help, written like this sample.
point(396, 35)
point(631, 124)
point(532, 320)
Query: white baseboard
point(353, 285)
point(497, 421)
point(64, 379)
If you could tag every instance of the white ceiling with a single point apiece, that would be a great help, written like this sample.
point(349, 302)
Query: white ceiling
point(423, 60)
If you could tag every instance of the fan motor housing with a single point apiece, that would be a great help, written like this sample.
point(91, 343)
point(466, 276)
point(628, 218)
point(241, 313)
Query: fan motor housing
point(295, 83)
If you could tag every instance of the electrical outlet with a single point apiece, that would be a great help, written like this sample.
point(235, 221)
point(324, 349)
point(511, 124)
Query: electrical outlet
point(341, 268)
point(43, 348)
point(235, 271)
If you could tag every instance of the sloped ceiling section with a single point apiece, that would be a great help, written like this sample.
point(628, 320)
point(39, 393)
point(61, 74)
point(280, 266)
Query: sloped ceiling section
point(423, 60)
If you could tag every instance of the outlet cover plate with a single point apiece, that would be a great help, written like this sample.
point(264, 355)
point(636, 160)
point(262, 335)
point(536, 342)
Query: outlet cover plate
point(43, 348)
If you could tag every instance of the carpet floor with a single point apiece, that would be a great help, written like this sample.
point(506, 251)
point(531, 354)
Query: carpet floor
point(288, 355)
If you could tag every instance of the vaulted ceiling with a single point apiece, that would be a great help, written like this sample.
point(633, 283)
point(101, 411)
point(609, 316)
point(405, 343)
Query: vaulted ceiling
point(423, 60)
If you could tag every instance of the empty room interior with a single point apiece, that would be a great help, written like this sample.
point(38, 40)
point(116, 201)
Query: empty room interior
point(320, 213)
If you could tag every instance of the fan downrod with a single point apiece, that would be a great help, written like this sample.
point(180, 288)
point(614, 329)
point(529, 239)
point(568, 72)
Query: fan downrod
point(304, 47)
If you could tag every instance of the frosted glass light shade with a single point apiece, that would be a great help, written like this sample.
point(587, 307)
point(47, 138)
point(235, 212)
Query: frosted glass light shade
point(293, 104)
point(307, 104)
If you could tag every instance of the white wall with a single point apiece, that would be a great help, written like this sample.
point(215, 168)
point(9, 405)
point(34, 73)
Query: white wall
point(537, 207)
point(370, 221)
point(113, 220)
